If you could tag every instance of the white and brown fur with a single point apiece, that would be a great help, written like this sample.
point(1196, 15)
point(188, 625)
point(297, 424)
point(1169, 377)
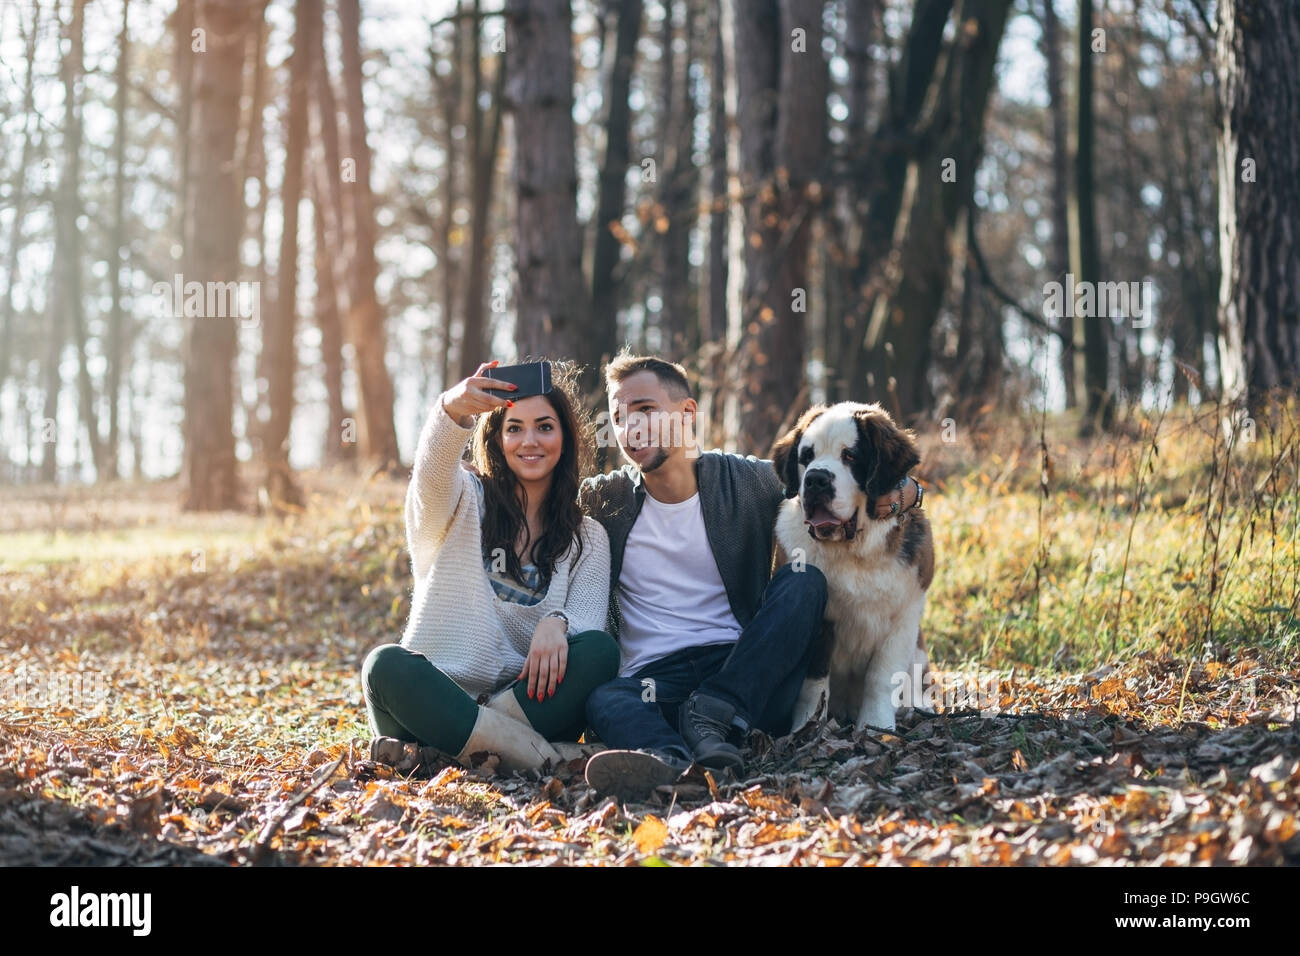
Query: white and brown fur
point(877, 570)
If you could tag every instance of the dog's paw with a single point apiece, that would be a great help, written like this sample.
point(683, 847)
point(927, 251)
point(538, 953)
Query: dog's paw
point(811, 705)
point(878, 716)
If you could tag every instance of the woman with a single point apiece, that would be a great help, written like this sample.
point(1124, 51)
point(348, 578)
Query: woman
point(505, 639)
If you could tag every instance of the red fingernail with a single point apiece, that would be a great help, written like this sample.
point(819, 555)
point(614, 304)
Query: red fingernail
point(514, 387)
point(509, 404)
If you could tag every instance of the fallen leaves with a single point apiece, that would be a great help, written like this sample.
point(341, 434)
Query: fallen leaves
point(381, 805)
point(232, 692)
point(650, 834)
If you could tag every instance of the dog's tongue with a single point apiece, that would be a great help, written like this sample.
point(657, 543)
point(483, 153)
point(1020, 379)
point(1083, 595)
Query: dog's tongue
point(822, 517)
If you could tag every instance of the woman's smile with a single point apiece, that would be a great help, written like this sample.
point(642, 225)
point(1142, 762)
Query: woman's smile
point(532, 460)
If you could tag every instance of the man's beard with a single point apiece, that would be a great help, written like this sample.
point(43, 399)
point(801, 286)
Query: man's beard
point(660, 457)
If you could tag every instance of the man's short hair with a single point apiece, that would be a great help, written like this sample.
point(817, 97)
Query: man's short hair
point(671, 375)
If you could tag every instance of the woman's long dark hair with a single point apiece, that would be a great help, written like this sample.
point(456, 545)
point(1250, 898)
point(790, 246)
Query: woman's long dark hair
point(503, 514)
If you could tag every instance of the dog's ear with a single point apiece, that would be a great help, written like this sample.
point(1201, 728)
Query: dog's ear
point(893, 448)
point(785, 453)
point(785, 460)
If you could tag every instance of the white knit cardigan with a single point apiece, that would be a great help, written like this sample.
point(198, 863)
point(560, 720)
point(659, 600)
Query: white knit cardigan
point(457, 620)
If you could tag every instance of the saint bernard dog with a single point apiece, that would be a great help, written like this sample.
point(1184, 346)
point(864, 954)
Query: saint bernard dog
point(835, 464)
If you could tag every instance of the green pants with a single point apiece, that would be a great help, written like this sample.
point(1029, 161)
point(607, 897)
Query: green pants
point(407, 697)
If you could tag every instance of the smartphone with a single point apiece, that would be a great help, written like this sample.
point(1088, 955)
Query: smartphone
point(532, 378)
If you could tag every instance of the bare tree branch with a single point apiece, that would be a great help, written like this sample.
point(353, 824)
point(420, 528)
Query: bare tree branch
point(1006, 298)
point(479, 16)
point(1199, 7)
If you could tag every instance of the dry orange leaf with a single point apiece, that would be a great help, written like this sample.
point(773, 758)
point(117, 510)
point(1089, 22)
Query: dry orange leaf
point(650, 835)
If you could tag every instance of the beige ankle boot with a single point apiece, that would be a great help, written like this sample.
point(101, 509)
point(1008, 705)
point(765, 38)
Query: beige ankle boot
point(507, 703)
point(514, 741)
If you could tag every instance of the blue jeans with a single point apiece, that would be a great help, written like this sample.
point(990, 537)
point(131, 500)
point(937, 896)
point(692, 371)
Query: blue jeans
point(759, 675)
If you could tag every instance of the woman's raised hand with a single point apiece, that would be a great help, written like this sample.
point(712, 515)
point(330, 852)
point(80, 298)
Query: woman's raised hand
point(470, 397)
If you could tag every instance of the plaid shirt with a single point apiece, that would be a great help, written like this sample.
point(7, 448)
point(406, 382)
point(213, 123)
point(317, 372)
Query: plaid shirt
point(506, 587)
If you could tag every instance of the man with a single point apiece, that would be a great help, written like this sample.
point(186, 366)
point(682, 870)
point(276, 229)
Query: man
point(709, 646)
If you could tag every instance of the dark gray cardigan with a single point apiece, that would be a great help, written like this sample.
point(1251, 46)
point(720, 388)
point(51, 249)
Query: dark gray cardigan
point(739, 495)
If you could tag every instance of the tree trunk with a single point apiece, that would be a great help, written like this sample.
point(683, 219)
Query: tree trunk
point(210, 479)
point(278, 330)
point(680, 324)
point(49, 430)
point(19, 196)
point(669, 322)
point(116, 319)
point(750, 34)
point(453, 109)
point(980, 346)
point(1132, 261)
point(1259, 198)
point(365, 327)
point(715, 330)
point(453, 106)
point(553, 311)
point(782, 154)
point(938, 188)
point(1086, 261)
point(882, 163)
point(485, 139)
point(68, 234)
point(250, 136)
point(135, 439)
point(859, 30)
point(1198, 261)
point(1059, 264)
point(183, 60)
point(328, 174)
point(254, 164)
point(895, 140)
point(326, 311)
point(250, 162)
point(328, 217)
point(612, 197)
point(1183, 328)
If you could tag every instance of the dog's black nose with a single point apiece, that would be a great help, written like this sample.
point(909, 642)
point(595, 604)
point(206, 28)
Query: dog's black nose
point(819, 479)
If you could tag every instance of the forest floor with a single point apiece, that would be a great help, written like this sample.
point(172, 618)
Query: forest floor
point(1119, 660)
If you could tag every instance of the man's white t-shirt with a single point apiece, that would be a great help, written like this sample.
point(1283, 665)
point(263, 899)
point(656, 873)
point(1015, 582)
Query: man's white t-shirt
point(669, 591)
